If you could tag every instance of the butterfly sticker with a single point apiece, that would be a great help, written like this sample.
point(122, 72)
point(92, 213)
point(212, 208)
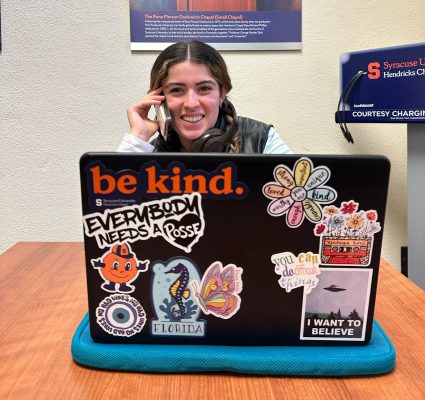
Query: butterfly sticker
point(218, 291)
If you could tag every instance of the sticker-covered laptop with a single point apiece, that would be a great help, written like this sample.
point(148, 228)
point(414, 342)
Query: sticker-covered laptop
point(232, 249)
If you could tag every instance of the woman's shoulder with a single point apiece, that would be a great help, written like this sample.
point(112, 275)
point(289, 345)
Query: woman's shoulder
point(253, 125)
point(253, 135)
point(260, 137)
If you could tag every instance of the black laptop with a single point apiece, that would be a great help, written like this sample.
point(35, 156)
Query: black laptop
point(232, 249)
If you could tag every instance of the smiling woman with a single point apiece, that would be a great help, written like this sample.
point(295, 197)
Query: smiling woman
point(192, 97)
point(190, 80)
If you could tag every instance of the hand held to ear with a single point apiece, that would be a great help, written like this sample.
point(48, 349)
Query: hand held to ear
point(140, 125)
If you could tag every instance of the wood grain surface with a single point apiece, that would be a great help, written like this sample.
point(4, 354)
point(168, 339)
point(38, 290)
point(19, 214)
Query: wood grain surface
point(43, 299)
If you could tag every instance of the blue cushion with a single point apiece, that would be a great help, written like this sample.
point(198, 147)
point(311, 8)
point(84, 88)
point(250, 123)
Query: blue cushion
point(375, 358)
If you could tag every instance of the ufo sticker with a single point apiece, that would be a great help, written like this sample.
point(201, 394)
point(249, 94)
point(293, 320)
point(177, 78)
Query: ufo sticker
point(337, 308)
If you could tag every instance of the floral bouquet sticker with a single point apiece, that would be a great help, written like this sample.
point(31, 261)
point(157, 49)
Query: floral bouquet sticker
point(299, 193)
point(346, 234)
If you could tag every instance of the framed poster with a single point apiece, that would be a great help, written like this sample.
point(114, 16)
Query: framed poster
point(224, 24)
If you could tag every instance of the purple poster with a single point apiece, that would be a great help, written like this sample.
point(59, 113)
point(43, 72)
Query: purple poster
point(226, 25)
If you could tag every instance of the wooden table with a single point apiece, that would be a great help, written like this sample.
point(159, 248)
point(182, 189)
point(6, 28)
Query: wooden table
point(43, 299)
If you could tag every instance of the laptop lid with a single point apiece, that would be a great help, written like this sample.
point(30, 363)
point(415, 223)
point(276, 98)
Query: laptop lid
point(232, 249)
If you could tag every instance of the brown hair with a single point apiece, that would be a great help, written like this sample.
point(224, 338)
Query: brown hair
point(196, 52)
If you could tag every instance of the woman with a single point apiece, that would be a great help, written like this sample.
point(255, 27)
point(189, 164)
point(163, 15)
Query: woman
point(192, 79)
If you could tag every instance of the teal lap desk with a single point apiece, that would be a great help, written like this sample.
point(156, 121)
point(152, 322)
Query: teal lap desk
point(377, 357)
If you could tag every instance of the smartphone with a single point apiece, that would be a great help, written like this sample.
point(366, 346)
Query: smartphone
point(163, 117)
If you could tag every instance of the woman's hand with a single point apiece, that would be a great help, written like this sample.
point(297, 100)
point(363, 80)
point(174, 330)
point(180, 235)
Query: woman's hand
point(140, 125)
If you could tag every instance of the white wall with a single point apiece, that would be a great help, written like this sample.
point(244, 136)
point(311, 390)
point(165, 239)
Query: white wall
point(416, 192)
point(67, 76)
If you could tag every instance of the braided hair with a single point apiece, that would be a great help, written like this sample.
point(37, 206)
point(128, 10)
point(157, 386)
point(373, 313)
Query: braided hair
point(199, 53)
point(229, 114)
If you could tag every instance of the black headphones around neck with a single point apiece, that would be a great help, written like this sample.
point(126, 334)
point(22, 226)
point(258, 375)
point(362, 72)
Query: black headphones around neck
point(217, 139)
point(214, 140)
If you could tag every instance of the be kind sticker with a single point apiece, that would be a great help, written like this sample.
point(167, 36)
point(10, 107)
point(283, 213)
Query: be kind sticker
point(299, 193)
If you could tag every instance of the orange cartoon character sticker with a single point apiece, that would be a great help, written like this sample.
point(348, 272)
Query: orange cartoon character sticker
point(118, 268)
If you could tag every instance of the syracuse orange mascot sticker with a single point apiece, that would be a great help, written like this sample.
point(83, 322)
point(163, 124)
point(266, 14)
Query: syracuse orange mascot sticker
point(119, 267)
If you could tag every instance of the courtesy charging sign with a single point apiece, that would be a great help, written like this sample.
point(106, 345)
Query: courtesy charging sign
point(392, 88)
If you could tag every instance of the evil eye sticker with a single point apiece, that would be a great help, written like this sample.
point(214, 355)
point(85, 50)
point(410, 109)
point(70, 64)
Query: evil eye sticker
point(299, 193)
point(120, 315)
point(346, 234)
point(297, 271)
point(218, 291)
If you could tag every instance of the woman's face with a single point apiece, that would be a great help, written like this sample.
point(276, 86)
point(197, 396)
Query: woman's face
point(193, 98)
